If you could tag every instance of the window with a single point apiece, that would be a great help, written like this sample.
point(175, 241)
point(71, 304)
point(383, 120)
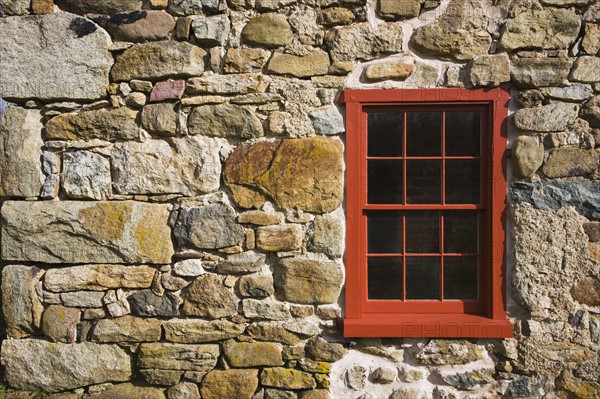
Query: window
point(425, 204)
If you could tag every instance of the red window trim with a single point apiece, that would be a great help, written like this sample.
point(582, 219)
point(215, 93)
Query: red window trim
point(420, 320)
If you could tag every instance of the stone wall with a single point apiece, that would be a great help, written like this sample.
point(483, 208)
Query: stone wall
point(172, 188)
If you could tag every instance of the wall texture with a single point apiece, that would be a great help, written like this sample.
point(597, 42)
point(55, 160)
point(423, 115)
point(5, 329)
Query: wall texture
point(172, 179)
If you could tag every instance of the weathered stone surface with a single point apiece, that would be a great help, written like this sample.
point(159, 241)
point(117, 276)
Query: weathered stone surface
point(265, 309)
point(271, 393)
point(141, 26)
point(208, 227)
point(268, 30)
point(200, 331)
point(527, 156)
point(587, 291)
point(183, 390)
point(20, 149)
point(211, 31)
point(312, 64)
point(54, 56)
point(592, 229)
point(549, 28)
point(86, 175)
point(387, 71)
point(553, 117)
point(169, 90)
point(80, 232)
point(188, 268)
point(459, 34)
point(21, 306)
point(586, 69)
point(256, 285)
point(162, 377)
point(190, 166)
point(356, 377)
point(571, 161)
point(60, 323)
point(160, 119)
point(159, 60)
point(534, 72)
point(227, 84)
point(280, 377)
point(35, 364)
point(328, 235)
point(208, 297)
point(298, 173)
point(147, 303)
point(440, 352)
point(363, 42)
point(243, 60)
point(319, 349)
point(578, 388)
point(224, 120)
point(190, 7)
point(272, 331)
point(489, 70)
point(241, 263)
point(383, 375)
point(556, 194)
point(127, 329)
point(470, 379)
point(232, 384)
point(591, 111)
point(247, 354)
point(110, 125)
point(276, 238)
point(16, 7)
point(98, 278)
point(178, 356)
point(94, 7)
point(393, 9)
point(334, 16)
point(576, 92)
point(128, 390)
point(327, 121)
point(82, 299)
point(308, 281)
point(591, 40)
point(261, 218)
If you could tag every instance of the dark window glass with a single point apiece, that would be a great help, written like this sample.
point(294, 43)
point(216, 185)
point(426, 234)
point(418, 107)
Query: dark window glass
point(385, 278)
point(460, 277)
point(385, 182)
point(463, 133)
point(385, 134)
point(423, 133)
point(423, 182)
point(422, 232)
point(460, 232)
point(462, 181)
point(423, 277)
point(384, 232)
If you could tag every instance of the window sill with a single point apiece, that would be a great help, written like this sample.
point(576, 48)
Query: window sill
point(426, 326)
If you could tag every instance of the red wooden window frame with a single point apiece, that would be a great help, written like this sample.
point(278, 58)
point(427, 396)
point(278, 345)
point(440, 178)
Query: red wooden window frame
point(486, 317)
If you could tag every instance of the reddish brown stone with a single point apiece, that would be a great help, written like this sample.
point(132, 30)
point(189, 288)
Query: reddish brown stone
point(587, 291)
point(40, 7)
point(167, 91)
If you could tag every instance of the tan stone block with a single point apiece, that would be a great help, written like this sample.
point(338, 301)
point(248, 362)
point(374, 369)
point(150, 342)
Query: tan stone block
point(279, 238)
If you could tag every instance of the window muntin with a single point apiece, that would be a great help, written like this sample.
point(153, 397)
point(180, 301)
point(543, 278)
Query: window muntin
point(439, 167)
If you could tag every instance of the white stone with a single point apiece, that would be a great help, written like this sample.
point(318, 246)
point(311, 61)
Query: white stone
point(188, 268)
point(328, 121)
point(211, 31)
point(86, 175)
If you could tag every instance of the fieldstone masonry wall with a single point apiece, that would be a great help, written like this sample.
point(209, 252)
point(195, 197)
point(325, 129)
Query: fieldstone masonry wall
point(172, 188)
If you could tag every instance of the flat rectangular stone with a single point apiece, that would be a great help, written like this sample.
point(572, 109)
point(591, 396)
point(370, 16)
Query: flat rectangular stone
point(86, 232)
point(178, 357)
point(167, 91)
point(98, 278)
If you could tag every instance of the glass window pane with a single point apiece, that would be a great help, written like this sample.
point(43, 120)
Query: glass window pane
point(460, 232)
point(385, 134)
point(463, 133)
point(422, 232)
point(462, 182)
point(423, 133)
point(423, 182)
point(384, 232)
point(385, 182)
point(385, 278)
point(460, 277)
point(423, 278)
